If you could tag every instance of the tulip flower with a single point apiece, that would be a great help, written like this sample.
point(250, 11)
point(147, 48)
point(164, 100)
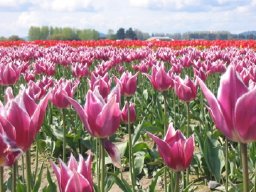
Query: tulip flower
point(186, 89)
point(75, 176)
point(160, 80)
point(233, 111)
point(79, 70)
point(103, 84)
point(124, 116)
point(101, 118)
point(62, 89)
point(128, 83)
point(9, 73)
point(175, 149)
point(23, 117)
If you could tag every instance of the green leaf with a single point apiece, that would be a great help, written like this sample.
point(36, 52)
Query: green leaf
point(39, 179)
point(137, 132)
point(152, 186)
point(139, 162)
point(122, 183)
point(51, 185)
point(214, 157)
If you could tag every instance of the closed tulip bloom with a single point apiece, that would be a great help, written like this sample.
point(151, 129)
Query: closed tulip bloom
point(185, 89)
point(160, 79)
point(103, 83)
point(61, 90)
point(75, 176)
point(233, 111)
point(128, 83)
point(101, 118)
point(175, 149)
point(9, 73)
point(124, 116)
point(22, 117)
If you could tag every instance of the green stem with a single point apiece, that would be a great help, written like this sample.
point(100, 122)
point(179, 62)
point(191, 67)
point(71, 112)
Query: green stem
point(186, 179)
point(131, 160)
point(14, 168)
point(36, 166)
point(226, 163)
point(165, 130)
point(98, 160)
point(1, 179)
point(102, 167)
point(64, 135)
point(244, 156)
point(28, 171)
point(177, 182)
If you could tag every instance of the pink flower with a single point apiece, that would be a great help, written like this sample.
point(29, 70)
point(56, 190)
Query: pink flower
point(21, 118)
point(160, 80)
point(101, 117)
point(9, 73)
point(61, 90)
point(234, 109)
point(175, 149)
point(128, 83)
point(124, 116)
point(75, 176)
point(186, 89)
point(103, 84)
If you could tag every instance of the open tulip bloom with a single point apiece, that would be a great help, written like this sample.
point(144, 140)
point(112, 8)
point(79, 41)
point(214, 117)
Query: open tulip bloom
point(101, 118)
point(234, 109)
point(175, 149)
point(75, 176)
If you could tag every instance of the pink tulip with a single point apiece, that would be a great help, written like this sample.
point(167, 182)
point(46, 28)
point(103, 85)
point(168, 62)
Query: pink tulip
point(9, 73)
point(61, 90)
point(124, 116)
point(175, 149)
point(79, 70)
point(9, 153)
point(233, 111)
point(21, 118)
point(160, 80)
point(128, 83)
point(101, 117)
point(75, 176)
point(103, 83)
point(186, 89)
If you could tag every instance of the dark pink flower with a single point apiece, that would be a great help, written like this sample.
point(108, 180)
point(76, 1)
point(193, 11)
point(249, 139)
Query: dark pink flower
point(124, 116)
point(75, 176)
point(175, 149)
point(128, 83)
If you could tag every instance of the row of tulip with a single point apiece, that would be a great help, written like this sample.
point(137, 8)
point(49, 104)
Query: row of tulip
point(116, 77)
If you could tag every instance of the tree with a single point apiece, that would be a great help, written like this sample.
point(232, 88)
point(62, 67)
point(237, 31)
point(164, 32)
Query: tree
point(34, 33)
point(120, 34)
point(130, 34)
point(111, 34)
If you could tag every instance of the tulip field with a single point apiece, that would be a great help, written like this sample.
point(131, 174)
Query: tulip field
point(146, 116)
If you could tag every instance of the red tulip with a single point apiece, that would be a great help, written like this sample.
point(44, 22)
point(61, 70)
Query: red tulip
point(233, 111)
point(62, 89)
point(75, 176)
point(175, 149)
point(124, 116)
point(186, 89)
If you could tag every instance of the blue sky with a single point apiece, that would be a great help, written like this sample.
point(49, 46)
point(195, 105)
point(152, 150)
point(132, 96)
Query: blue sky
point(167, 16)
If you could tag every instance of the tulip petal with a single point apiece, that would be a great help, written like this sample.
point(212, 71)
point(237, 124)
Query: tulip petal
point(77, 183)
point(245, 117)
point(215, 110)
point(163, 148)
point(85, 168)
point(109, 119)
point(113, 152)
point(56, 170)
point(81, 113)
point(231, 88)
point(20, 119)
point(72, 163)
point(189, 150)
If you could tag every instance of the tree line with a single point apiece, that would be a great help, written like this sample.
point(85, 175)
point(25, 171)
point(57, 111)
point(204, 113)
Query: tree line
point(68, 33)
